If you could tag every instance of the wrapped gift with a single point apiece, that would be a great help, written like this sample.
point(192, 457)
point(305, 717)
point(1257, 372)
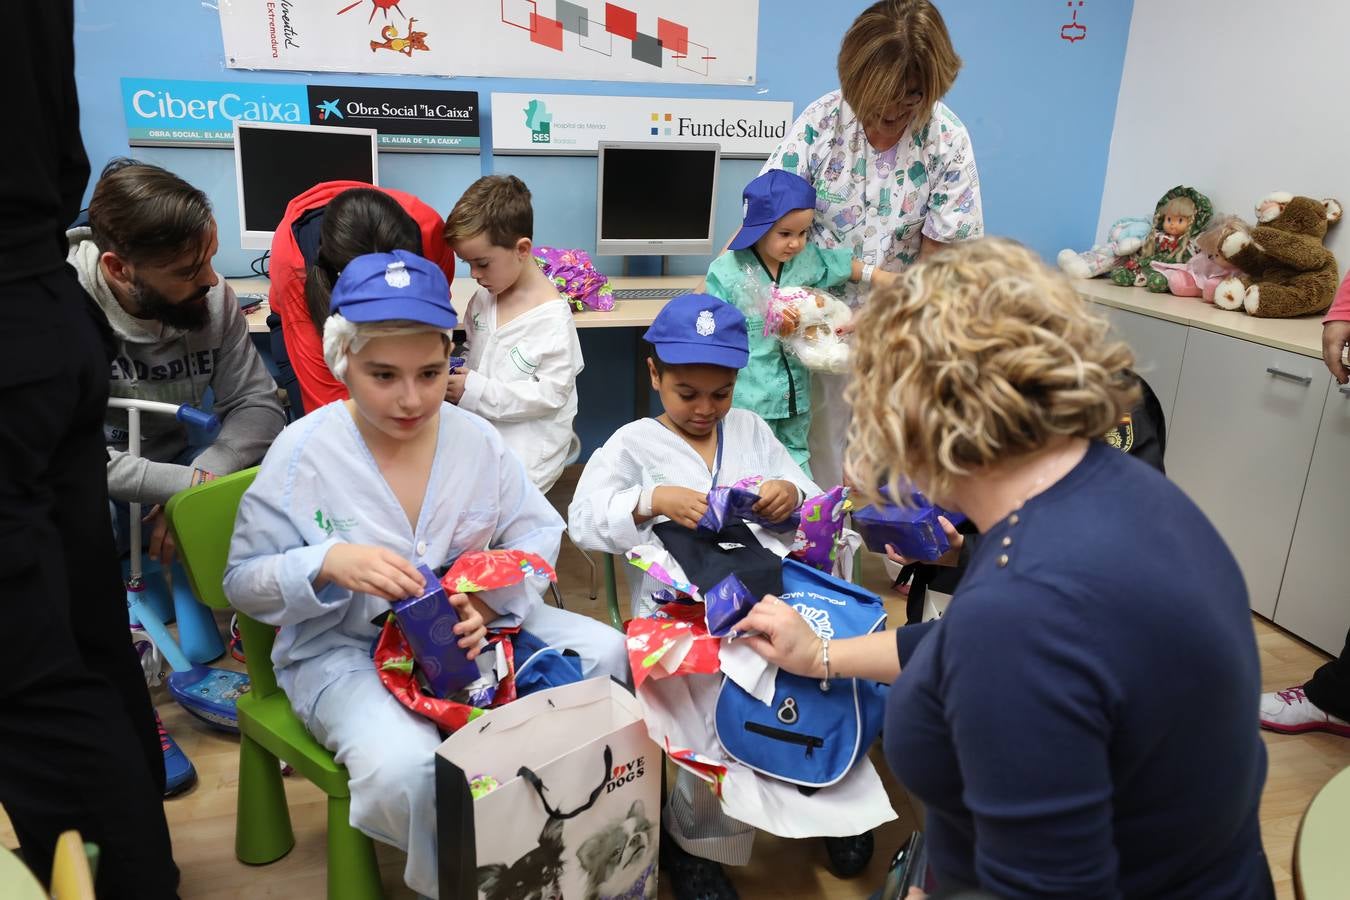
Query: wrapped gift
point(727, 602)
point(576, 278)
point(736, 503)
point(913, 531)
point(428, 623)
point(820, 529)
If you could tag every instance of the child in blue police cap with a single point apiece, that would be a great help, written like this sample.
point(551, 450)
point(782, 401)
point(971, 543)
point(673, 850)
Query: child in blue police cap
point(348, 501)
point(660, 469)
point(773, 249)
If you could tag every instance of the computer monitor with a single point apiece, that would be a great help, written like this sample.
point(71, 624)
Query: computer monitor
point(655, 199)
point(275, 163)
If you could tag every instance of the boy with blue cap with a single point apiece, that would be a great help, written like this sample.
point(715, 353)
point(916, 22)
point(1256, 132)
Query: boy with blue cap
point(660, 469)
point(773, 249)
point(349, 500)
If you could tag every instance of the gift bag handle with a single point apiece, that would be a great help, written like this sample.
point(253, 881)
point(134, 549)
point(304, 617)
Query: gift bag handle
point(538, 785)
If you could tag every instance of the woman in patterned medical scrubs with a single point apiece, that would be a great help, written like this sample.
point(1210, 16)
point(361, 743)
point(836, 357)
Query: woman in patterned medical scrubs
point(893, 169)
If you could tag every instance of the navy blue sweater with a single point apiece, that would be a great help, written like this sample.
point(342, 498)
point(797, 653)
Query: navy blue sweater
point(1083, 721)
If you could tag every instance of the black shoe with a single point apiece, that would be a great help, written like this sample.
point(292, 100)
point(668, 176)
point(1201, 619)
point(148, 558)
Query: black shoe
point(849, 855)
point(693, 877)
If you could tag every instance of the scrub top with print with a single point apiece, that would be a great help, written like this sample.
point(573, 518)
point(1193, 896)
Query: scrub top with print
point(881, 204)
point(773, 383)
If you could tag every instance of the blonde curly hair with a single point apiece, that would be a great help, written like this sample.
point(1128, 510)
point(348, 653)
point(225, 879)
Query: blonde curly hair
point(978, 354)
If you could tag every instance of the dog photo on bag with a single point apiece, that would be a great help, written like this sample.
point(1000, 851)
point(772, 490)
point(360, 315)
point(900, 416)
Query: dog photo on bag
point(619, 860)
point(535, 876)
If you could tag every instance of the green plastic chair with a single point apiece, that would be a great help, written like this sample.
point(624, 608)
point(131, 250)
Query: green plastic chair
point(612, 593)
point(202, 519)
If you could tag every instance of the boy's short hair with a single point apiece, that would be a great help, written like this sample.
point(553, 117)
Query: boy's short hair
point(495, 205)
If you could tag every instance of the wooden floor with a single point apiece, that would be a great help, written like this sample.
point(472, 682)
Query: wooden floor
point(202, 820)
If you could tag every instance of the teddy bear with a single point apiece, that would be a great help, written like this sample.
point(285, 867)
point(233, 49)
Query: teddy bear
point(1180, 215)
point(1123, 238)
point(1285, 270)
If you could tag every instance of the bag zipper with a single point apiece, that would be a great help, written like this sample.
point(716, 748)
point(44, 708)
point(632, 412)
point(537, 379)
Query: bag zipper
point(809, 741)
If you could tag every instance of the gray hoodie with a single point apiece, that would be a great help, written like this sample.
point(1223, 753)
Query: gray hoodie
point(158, 362)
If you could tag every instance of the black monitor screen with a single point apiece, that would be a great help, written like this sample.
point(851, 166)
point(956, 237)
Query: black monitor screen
point(279, 164)
point(657, 194)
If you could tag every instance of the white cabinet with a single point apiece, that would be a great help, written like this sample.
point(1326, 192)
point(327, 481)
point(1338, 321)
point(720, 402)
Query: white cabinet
point(1158, 347)
point(1240, 443)
point(1315, 597)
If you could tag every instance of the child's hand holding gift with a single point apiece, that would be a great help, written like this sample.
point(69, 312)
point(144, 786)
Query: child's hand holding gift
point(472, 630)
point(777, 500)
point(454, 386)
point(378, 571)
point(681, 505)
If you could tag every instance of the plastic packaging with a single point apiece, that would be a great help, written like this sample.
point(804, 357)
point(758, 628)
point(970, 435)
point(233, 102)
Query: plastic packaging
point(807, 323)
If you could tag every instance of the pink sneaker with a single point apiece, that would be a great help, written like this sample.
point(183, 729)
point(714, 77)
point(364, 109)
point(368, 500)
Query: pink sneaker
point(1290, 712)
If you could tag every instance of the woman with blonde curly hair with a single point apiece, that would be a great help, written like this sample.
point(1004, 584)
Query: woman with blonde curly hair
point(1082, 722)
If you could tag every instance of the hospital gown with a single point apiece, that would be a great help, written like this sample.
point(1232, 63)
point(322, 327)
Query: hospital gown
point(318, 486)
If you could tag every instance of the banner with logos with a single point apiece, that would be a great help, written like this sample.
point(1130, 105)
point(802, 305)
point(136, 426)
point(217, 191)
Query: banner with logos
point(676, 41)
point(202, 113)
point(576, 123)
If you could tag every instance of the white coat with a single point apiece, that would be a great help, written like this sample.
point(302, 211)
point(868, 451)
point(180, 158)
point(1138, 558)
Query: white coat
point(523, 379)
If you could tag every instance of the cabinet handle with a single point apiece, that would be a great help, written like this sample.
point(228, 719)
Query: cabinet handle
point(1304, 380)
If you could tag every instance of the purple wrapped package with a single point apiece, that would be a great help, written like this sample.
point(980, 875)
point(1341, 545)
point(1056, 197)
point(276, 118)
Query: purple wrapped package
point(428, 622)
point(822, 523)
point(913, 531)
point(737, 503)
point(456, 363)
point(576, 278)
point(726, 604)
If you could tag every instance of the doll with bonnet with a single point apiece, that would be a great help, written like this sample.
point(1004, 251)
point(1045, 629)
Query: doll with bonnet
point(1179, 217)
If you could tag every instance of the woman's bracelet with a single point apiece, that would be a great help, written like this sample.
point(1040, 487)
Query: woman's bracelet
point(825, 660)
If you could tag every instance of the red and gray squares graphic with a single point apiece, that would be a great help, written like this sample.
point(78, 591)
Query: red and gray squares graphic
point(599, 35)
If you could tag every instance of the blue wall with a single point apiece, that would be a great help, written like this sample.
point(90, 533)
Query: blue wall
point(1040, 111)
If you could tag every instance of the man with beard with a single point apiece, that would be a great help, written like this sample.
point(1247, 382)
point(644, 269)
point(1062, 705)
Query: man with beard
point(146, 260)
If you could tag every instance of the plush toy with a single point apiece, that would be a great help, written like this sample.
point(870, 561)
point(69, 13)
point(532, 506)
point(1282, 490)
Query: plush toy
point(1285, 269)
point(1123, 238)
point(1205, 270)
point(807, 322)
point(1180, 215)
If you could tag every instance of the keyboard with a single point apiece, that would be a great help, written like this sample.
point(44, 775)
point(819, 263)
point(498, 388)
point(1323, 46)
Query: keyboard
point(660, 293)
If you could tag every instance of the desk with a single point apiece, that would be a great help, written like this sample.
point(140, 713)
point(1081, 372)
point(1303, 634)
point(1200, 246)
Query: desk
point(1321, 865)
point(1302, 335)
point(625, 314)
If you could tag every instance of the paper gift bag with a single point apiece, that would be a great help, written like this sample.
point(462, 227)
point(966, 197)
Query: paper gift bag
point(575, 809)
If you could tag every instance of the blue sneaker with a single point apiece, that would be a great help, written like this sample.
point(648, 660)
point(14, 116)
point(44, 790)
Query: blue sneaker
point(179, 774)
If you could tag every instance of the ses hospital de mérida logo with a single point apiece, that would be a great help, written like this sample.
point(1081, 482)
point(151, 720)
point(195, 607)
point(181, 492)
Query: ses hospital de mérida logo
point(539, 120)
